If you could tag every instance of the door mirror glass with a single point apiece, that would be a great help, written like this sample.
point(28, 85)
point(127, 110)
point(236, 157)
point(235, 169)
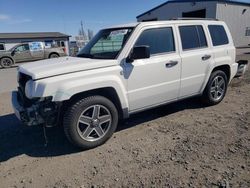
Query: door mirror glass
point(139, 52)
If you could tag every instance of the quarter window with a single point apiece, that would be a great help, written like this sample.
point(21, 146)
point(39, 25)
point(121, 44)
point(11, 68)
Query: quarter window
point(192, 37)
point(218, 35)
point(2, 47)
point(160, 40)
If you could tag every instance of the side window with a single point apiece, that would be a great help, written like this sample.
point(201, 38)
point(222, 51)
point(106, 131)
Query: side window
point(192, 37)
point(218, 35)
point(22, 48)
point(160, 40)
point(248, 31)
point(2, 47)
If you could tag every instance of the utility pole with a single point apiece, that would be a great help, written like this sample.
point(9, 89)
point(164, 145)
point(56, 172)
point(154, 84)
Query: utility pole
point(82, 31)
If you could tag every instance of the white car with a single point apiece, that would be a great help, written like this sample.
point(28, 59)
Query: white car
point(124, 70)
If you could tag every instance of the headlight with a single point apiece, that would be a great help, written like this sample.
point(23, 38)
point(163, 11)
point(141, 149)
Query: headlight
point(29, 88)
point(18, 76)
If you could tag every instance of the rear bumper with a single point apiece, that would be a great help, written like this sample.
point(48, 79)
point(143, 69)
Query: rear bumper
point(242, 67)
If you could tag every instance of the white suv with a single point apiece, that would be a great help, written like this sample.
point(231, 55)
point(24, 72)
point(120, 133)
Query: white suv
point(124, 70)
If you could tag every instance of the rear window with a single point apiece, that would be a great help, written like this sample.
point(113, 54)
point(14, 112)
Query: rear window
point(218, 35)
point(192, 37)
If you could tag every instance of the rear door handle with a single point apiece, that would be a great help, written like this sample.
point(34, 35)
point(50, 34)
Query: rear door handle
point(206, 57)
point(171, 64)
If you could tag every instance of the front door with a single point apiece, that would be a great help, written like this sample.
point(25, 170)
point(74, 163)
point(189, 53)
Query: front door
point(22, 53)
point(155, 80)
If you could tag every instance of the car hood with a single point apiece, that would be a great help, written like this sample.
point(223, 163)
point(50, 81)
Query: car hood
point(62, 65)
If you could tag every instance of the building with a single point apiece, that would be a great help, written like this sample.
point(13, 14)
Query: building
point(8, 40)
point(236, 14)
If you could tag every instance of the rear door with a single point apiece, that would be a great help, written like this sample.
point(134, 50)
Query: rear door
point(154, 80)
point(37, 50)
point(196, 58)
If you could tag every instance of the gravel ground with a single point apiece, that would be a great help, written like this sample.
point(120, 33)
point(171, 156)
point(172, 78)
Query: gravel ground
point(184, 144)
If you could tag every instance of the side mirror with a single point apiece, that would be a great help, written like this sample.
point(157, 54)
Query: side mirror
point(139, 52)
point(13, 52)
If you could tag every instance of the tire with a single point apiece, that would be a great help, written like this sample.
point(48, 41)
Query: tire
point(90, 122)
point(216, 88)
point(54, 55)
point(6, 62)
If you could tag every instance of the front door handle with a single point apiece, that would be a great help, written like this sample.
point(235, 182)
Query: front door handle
point(171, 64)
point(206, 57)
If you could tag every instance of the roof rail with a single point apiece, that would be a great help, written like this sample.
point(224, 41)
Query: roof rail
point(190, 18)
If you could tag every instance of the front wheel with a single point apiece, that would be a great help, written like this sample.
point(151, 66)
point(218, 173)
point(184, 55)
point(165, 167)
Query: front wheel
point(216, 88)
point(90, 122)
point(6, 62)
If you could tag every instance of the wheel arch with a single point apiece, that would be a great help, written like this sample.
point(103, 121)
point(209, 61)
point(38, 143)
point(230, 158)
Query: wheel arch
point(51, 53)
point(225, 69)
point(9, 58)
point(108, 92)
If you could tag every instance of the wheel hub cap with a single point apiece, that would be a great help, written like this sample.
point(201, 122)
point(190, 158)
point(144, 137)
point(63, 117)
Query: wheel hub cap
point(218, 88)
point(94, 123)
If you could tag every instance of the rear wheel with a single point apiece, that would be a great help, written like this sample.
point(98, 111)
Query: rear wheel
point(53, 56)
point(90, 122)
point(6, 62)
point(216, 88)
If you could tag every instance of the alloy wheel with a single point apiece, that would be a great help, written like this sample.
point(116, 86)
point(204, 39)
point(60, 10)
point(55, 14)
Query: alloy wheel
point(94, 123)
point(218, 88)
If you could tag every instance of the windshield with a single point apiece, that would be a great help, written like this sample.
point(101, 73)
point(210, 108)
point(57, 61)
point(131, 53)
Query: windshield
point(107, 44)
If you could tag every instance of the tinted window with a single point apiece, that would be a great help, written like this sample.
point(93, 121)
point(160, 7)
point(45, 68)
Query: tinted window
point(218, 35)
point(192, 37)
point(159, 40)
point(2, 47)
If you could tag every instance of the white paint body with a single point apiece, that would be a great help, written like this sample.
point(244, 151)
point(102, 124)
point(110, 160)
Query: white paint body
point(140, 85)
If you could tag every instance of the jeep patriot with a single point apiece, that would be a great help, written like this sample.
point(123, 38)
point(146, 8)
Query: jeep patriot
point(124, 70)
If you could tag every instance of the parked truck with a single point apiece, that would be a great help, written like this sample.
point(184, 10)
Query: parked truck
point(29, 52)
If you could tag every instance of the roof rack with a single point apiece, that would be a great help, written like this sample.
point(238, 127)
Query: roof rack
point(190, 18)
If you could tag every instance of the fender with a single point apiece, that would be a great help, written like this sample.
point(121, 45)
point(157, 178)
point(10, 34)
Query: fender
point(63, 88)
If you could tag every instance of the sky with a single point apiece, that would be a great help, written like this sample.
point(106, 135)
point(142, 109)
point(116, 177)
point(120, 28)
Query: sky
point(65, 15)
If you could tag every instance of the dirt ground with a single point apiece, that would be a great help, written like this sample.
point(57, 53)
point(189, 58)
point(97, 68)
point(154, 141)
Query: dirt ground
point(180, 145)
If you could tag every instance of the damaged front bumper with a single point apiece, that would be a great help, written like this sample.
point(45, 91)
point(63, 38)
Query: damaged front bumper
point(38, 112)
